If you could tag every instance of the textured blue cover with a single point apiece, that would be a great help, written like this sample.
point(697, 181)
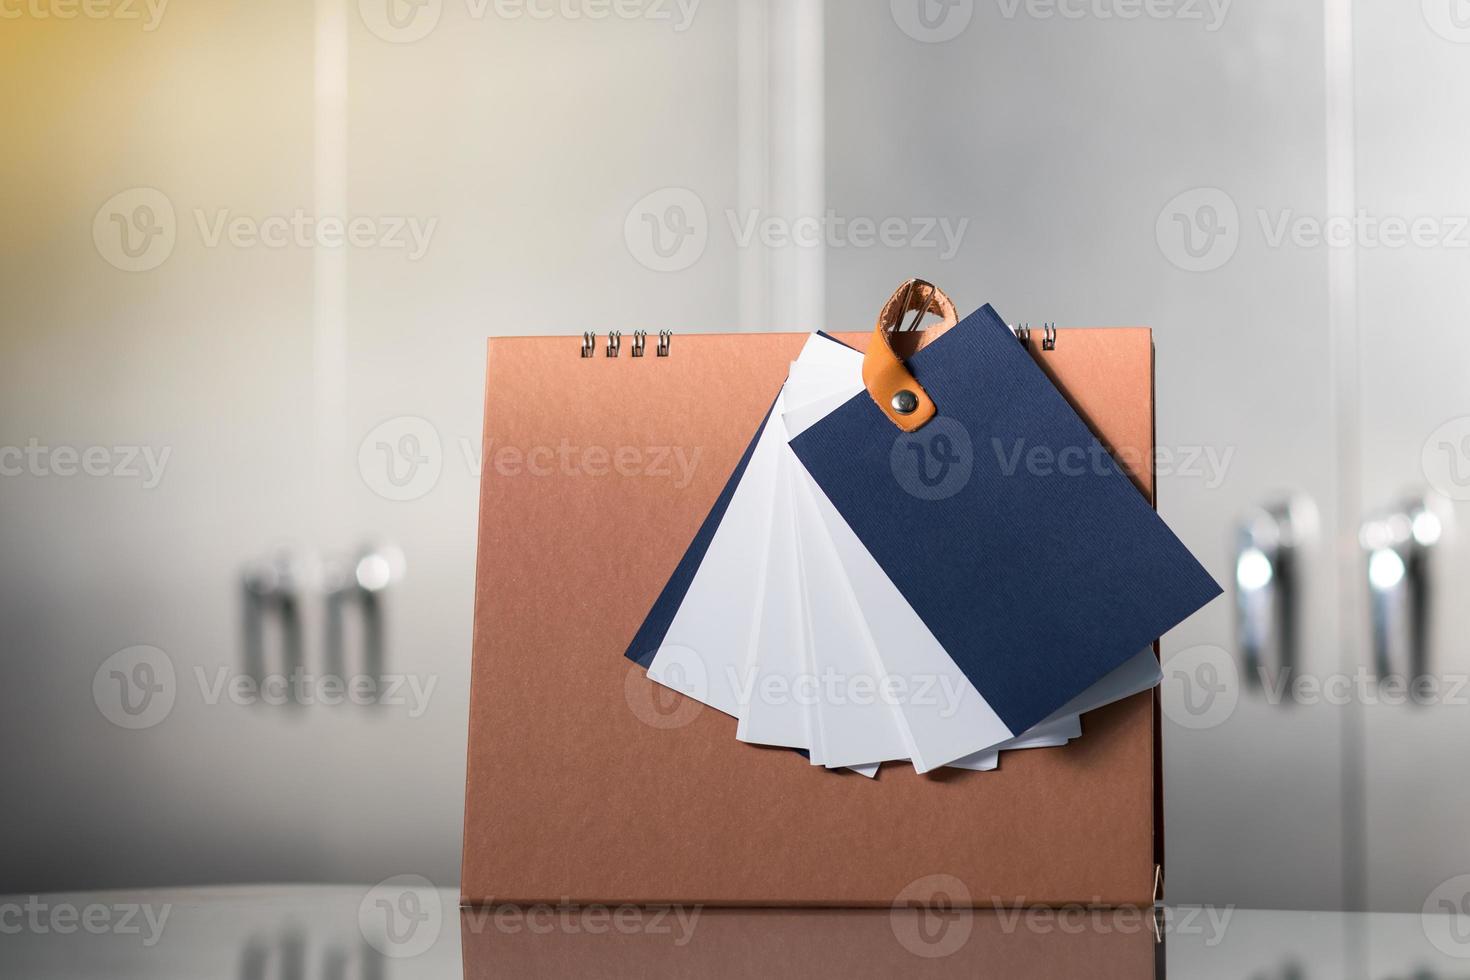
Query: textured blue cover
point(1036, 581)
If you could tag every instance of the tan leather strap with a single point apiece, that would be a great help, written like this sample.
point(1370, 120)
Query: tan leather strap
point(889, 381)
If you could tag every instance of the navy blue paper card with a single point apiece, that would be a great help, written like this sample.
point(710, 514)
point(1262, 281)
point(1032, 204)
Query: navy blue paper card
point(1036, 579)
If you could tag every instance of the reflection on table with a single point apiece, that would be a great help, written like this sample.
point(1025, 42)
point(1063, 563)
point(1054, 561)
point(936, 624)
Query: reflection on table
point(405, 928)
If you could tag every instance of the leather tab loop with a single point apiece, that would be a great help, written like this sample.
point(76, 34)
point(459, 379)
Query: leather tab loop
point(890, 383)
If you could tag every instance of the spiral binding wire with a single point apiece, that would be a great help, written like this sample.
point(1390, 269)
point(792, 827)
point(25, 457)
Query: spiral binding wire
point(666, 338)
point(1048, 334)
point(638, 348)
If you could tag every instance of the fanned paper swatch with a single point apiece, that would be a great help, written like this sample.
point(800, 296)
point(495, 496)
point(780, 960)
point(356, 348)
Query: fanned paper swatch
point(868, 596)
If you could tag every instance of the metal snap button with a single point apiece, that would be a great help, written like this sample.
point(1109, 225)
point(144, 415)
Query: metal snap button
point(905, 402)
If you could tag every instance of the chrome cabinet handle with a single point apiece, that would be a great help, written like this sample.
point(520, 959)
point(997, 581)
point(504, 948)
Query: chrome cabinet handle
point(1397, 543)
point(275, 592)
point(272, 592)
point(360, 582)
point(1268, 541)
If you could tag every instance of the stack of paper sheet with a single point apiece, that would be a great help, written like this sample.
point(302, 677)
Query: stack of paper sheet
point(867, 595)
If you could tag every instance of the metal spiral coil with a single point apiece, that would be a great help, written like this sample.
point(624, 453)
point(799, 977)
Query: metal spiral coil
point(638, 348)
point(1048, 335)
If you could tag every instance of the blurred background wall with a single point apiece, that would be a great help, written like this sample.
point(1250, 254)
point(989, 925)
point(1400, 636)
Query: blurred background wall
point(252, 250)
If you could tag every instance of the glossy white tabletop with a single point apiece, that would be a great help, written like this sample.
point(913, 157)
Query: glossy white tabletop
point(398, 930)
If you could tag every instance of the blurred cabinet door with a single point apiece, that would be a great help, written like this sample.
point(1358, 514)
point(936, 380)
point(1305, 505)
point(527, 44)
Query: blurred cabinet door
point(145, 319)
point(546, 175)
point(1095, 171)
point(1413, 95)
point(344, 200)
